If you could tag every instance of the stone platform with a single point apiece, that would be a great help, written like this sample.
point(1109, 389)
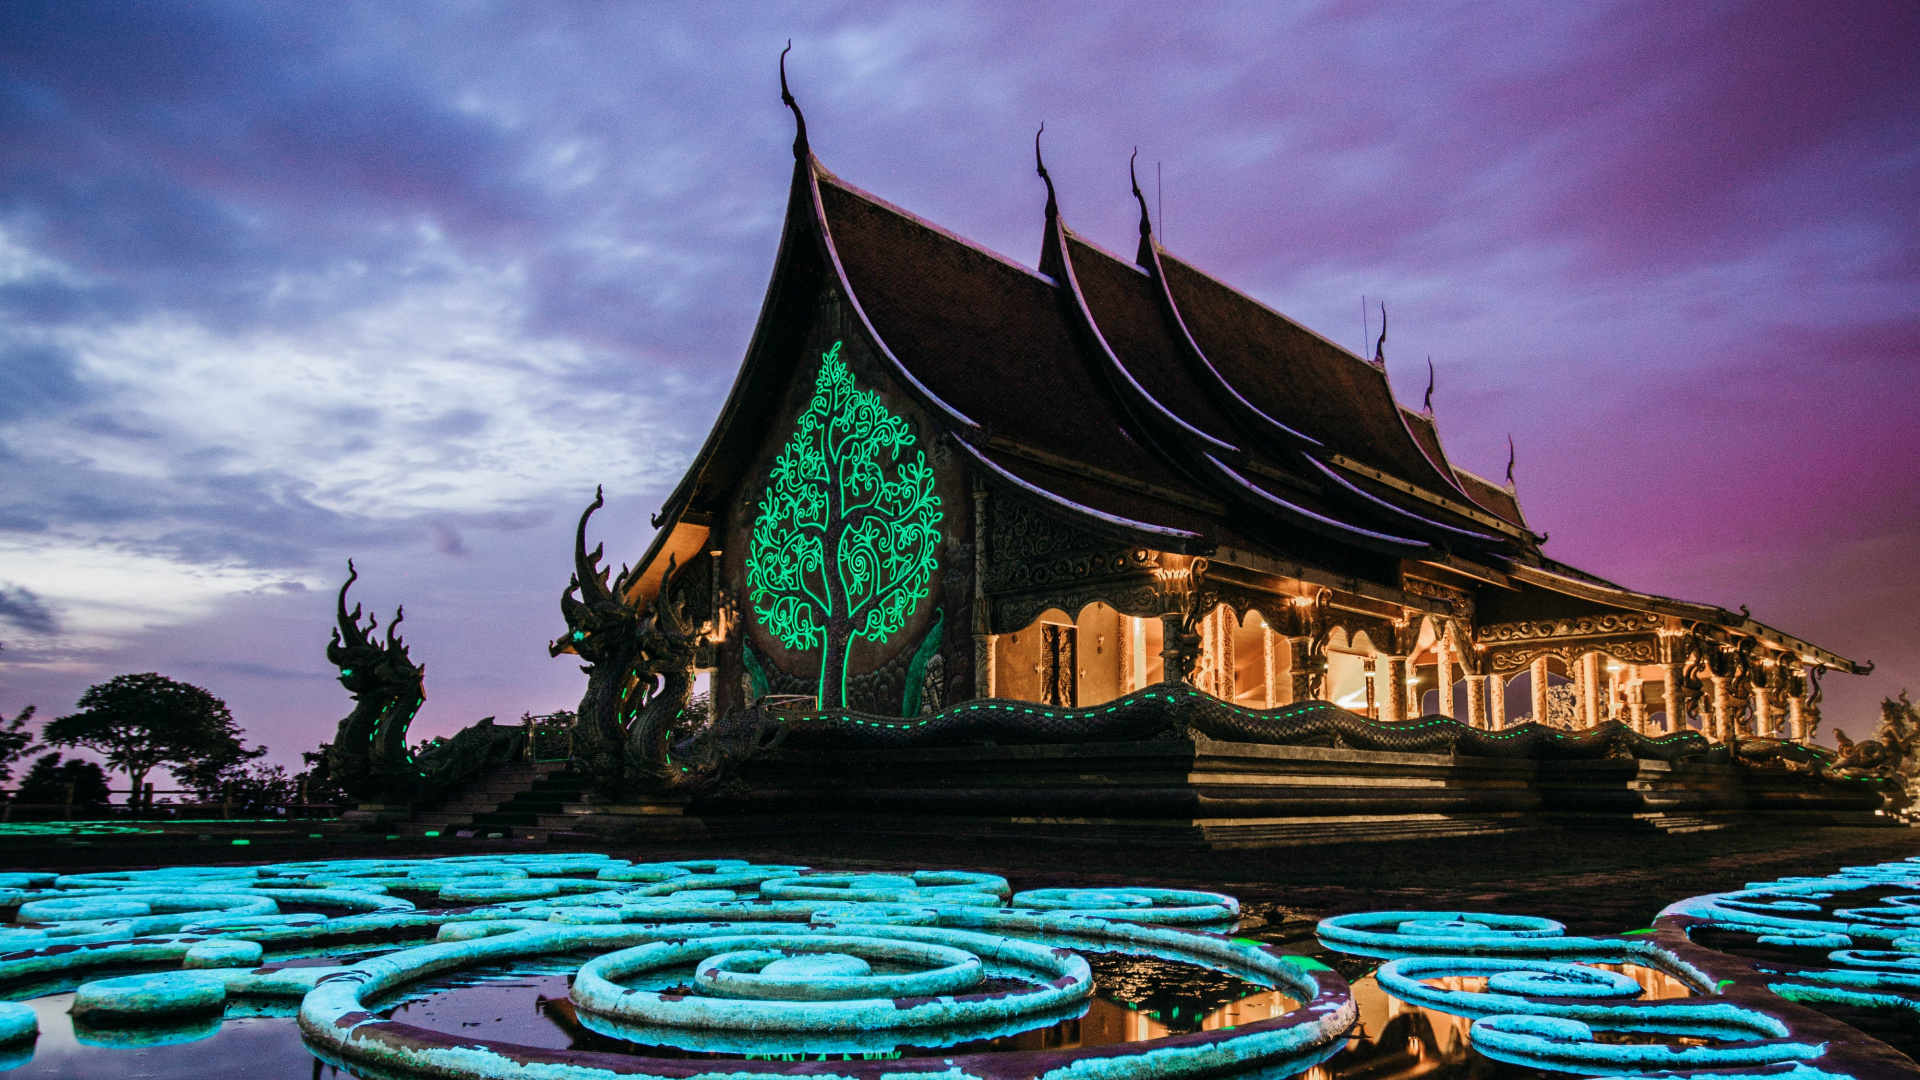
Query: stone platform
point(1224, 795)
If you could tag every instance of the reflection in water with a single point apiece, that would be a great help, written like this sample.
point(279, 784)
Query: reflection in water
point(242, 1049)
point(1398, 1041)
point(1136, 998)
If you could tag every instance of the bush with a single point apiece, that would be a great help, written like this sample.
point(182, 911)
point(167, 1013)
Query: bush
point(46, 782)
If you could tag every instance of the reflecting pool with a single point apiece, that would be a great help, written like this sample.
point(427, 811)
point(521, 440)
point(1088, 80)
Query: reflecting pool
point(573, 967)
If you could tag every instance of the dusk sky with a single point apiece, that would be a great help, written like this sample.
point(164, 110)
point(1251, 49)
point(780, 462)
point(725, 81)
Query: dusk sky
point(282, 284)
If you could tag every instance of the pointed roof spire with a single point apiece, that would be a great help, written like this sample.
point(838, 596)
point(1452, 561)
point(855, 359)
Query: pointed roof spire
point(1053, 205)
point(1509, 463)
point(1146, 223)
point(1427, 407)
point(800, 148)
point(1380, 347)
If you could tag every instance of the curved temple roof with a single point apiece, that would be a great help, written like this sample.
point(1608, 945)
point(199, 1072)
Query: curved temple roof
point(1145, 400)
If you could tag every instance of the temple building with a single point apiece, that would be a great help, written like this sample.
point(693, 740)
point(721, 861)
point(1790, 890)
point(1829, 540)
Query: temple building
point(943, 476)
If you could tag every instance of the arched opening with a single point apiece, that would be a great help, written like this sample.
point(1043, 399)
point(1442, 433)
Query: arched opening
point(1350, 671)
point(1562, 706)
point(1078, 661)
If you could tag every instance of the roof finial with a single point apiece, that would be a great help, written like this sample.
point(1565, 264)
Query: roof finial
point(1428, 405)
point(1509, 463)
point(1380, 347)
point(1053, 207)
point(786, 97)
point(1146, 224)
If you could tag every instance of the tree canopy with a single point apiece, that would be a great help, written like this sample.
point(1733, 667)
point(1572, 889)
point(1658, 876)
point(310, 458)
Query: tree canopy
point(46, 782)
point(15, 741)
point(142, 722)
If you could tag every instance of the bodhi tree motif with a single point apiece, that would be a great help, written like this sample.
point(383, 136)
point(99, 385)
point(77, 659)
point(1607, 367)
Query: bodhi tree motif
point(844, 546)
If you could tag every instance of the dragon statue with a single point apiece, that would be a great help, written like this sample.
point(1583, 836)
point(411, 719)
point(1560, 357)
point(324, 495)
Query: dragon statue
point(1892, 755)
point(369, 758)
point(632, 737)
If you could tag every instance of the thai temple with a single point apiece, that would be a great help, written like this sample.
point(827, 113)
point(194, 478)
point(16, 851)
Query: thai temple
point(943, 476)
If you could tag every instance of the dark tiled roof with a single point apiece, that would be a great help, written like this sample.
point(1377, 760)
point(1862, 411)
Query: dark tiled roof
point(990, 338)
point(1298, 377)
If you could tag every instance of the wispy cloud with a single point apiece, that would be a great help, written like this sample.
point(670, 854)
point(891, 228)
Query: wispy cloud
point(280, 285)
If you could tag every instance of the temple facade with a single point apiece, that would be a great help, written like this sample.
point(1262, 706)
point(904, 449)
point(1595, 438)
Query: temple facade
point(942, 476)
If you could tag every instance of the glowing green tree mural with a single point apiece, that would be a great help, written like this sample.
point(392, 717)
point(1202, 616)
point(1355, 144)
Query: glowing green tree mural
point(845, 544)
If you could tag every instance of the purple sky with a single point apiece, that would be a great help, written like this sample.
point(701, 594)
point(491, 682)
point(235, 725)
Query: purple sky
point(281, 284)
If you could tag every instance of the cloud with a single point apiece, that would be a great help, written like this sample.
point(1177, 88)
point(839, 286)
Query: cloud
point(280, 285)
point(23, 609)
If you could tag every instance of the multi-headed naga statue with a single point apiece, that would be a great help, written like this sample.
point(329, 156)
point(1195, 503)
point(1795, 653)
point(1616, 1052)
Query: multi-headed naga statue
point(369, 758)
point(629, 739)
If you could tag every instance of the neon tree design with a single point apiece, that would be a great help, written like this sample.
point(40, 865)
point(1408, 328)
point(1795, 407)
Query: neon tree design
point(842, 549)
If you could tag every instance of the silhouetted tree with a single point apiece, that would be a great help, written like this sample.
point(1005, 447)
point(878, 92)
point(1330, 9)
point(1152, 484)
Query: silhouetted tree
point(15, 742)
point(46, 782)
point(142, 722)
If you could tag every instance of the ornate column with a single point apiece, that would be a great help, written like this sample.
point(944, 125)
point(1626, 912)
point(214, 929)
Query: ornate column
point(1636, 692)
point(1496, 702)
point(1577, 674)
point(1676, 711)
point(1590, 676)
point(1762, 713)
point(1797, 717)
point(1390, 686)
point(1224, 665)
point(1539, 680)
point(1443, 673)
point(1477, 701)
point(1299, 675)
point(1720, 706)
point(1173, 649)
point(1270, 664)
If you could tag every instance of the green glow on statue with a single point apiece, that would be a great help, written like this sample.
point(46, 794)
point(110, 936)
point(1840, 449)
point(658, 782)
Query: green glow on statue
point(842, 549)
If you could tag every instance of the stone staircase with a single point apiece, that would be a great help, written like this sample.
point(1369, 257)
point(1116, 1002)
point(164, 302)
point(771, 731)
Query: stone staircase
point(545, 801)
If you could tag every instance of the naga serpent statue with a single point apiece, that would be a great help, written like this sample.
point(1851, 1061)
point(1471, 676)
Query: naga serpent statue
point(1176, 710)
point(639, 671)
point(369, 758)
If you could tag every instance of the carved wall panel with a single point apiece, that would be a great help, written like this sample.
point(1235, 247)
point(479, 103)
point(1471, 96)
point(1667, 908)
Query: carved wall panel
point(1626, 622)
point(1459, 602)
point(1031, 550)
point(1140, 597)
point(1511, 658)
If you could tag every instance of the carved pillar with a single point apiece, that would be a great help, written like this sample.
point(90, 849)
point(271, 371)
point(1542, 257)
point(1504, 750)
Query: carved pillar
point(1577, 672)
point(1390, 686)
point(1224, 663)
point(1496, 701)
point(1299, 675)
point(1762, 713)
point(1539, 679)
point(1721, 726)
point(1477, 701)
point(986, 654)
point(1443, 673)
point(1636, 692)
point(1670, 685)
point(1590, 672)
point(1797, 717)
point(1270, 666)
point(1173, 647)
